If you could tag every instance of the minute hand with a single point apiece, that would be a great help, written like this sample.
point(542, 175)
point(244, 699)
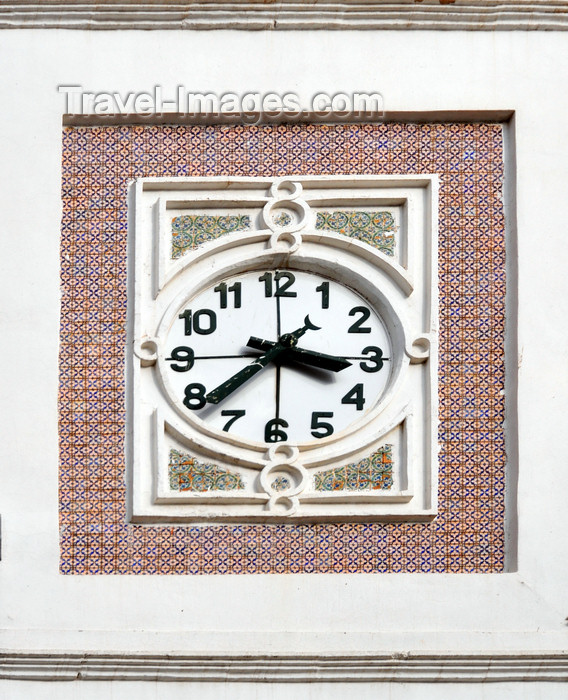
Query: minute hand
point(306, 357)
point(286, 341)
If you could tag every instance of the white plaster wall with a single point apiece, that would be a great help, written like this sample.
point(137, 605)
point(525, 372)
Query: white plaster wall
point(415, 71)
point(263, 691)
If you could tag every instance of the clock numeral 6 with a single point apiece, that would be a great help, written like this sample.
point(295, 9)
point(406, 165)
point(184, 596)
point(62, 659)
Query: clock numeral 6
point(376, 357)
point(203, 321)
point(272, 432)
point(355, 396)
point(182, 354)
point(318, 424)
point(194, 396)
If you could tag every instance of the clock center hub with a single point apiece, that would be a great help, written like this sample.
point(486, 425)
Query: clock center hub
point(288, 340)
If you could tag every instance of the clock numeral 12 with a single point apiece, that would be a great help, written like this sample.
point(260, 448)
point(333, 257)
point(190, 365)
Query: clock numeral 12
point(281, 290)
point(234, 288)
point(196, 322)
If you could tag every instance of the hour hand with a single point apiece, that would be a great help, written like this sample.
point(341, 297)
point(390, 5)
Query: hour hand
point(306, 357)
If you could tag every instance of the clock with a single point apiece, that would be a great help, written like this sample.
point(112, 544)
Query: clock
point(276, 355)
point(278, 368)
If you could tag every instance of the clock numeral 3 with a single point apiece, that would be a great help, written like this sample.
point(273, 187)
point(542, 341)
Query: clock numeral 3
point(355, 396)
point(203, 321)
point(235, 416)
point(358, 327)
point(272, 431)
point(318, 424)
point(376, 358)
point(281, 289)
point(194, 396)
point(182, 354)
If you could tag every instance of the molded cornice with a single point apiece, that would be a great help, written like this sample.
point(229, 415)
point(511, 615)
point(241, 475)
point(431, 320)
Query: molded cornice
point(401, 667)
point(287, 14)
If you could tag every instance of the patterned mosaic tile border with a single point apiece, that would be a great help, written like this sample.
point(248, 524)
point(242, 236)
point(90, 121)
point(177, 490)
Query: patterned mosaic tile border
point(98, 163)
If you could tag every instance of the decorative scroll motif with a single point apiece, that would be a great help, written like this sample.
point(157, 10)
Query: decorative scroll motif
point(191, 230)
point(377, 228)
point(187, 474)
point(371, 473)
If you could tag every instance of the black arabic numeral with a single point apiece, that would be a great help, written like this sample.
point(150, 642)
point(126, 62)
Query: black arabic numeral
point(236, 290)
point(355, 396)
point(324, 289)
point(235, 416)
point(267, 279)
point(196, 322)
point(182, 354)
point(376, 357)
point(194, 396)
point(272, 431)
point(281, 291)
point(318, 424)
point(358, 327)
point(223, 289)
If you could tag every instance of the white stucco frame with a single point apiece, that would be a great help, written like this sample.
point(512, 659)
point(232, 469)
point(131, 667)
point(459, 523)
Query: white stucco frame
point(404, 286)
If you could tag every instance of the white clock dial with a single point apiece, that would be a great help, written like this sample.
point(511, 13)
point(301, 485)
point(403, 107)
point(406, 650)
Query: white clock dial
point(317, 357)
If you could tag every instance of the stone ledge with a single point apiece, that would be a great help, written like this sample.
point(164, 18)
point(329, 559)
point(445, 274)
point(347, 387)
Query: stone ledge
point(287, 14)
point(395, 667)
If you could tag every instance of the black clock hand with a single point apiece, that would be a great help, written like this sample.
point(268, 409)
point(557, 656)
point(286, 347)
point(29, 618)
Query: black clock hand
point(306, 357)
point(288, 340)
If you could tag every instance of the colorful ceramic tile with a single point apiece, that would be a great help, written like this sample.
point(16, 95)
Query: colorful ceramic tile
point(191, 230)
point(377, 228)
point(373, 472)
point(187, 474)
point(281, 483)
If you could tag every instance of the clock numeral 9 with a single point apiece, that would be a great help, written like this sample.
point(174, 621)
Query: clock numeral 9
point(376, 358)
point(194, 397)
point(203, 321)
point(182, 354)
point(355, 396)
point(272, 431)
point(281, 290)
point(318, 424)
point(358, 327)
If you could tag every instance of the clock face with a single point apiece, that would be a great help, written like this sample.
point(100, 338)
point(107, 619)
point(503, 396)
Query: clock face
point(276, 355)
